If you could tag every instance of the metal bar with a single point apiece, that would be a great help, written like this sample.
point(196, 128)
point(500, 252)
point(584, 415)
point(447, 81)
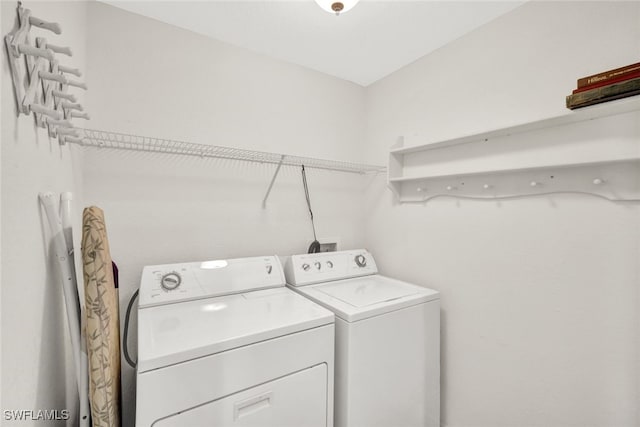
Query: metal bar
point(273, 180)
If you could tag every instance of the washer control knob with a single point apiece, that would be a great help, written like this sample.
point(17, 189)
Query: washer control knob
point(318, 265)
point(329, 264)
point(361, 261)
point(306, 266)
point(170, 281)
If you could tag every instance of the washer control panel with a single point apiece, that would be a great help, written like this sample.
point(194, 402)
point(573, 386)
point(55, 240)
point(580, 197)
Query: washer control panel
point(307, 269)
point(171, 283)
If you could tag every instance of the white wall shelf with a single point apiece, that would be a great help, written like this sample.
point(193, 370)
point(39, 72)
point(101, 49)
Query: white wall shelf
point(567, 153)
point(119, 141)
point(414, 144)
point(506, 171)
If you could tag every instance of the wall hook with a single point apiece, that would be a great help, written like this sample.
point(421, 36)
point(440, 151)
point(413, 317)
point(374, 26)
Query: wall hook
point(69, 70)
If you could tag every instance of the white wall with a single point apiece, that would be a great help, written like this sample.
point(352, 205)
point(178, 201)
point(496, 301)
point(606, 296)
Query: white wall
point(540, 296)
point(2, 107)
point(149, 78)
point(37, 365)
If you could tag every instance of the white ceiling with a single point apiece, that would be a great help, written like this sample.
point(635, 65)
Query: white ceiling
point(363, 45)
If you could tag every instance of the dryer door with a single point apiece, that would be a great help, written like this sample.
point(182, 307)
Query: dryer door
point(296, 400)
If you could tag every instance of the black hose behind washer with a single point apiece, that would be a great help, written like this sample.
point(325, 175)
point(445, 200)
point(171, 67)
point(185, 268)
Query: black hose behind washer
point(125, 348)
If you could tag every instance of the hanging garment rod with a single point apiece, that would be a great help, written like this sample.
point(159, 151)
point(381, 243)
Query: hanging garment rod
point(121, 141)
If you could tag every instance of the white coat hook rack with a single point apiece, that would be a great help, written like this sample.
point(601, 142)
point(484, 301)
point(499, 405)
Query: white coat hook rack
point(613, 181)
point(39, 81)
point(120, 141)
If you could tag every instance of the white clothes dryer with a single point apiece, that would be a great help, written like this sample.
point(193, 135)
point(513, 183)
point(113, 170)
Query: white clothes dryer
point(225, 343)
point(387, 371)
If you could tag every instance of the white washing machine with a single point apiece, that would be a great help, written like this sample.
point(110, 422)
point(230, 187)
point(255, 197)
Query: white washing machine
point(387, 370)
point(225, 343)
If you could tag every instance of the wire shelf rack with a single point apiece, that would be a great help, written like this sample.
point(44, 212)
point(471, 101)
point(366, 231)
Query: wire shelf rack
point(121, 141)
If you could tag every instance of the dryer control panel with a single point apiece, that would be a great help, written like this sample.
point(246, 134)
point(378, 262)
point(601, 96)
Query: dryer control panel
point(307, 269)
point(171, 283)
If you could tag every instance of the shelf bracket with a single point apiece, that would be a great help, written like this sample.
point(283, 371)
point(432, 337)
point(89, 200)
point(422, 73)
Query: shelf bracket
point(273, 180)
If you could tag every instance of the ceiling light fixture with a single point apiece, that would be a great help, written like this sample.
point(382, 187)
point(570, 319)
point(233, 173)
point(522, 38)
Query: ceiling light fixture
point(337, 6)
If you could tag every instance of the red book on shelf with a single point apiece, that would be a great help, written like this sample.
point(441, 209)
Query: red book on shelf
point(618, 79)
point(608, 75)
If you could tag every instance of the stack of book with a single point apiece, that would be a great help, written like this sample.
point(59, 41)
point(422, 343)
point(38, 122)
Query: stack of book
point(609, 85)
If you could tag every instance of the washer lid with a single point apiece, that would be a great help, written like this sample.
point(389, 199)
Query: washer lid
point(170, 334)
point(367, 291)
point(363, 297)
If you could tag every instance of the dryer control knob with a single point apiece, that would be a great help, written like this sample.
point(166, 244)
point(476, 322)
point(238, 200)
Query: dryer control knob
point(306, 266)
point(170, 281)
point(329, 264)
point(361, 261)
point(318, 265)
